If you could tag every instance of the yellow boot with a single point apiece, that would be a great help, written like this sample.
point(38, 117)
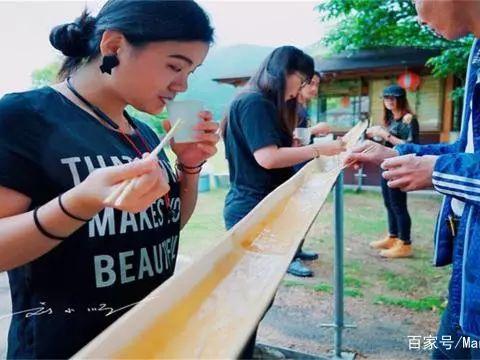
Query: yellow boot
point(385, 243)
point(399, 250)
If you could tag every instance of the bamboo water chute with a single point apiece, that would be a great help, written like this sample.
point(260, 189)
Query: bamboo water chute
point(210, 308)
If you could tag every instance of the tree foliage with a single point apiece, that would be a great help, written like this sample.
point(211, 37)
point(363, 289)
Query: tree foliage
point(45, 76)
point(370, 24)
point(155, 121)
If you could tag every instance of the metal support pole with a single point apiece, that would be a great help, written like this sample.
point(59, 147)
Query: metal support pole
point(359, 175)
point(338, 266)
point(338, 283)
point(338, 323)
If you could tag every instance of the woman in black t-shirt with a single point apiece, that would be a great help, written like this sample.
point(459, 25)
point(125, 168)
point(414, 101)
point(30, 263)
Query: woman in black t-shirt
point(400, 126)
point(77, 261)
point(259, 130)
point(258, 134)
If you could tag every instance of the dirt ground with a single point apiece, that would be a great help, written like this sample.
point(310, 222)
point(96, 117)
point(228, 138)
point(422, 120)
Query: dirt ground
point(295, 322)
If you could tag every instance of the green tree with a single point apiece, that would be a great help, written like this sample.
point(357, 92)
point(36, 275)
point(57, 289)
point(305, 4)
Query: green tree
point(370, 24)
point(45, 76)
point(48, 75)
point(155, 121)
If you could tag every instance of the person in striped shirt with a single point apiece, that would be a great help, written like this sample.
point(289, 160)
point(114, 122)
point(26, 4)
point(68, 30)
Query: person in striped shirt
point(454, 171)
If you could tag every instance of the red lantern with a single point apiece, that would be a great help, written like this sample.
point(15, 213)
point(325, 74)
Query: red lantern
point(345, 101)
point(409, 81)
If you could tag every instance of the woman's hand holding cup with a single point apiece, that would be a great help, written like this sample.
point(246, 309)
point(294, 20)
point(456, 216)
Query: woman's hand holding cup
point(204, 145)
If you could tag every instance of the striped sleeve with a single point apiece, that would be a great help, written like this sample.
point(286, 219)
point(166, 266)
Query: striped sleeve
point(458, 175)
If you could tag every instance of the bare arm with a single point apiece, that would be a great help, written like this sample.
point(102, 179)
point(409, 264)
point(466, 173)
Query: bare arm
point(20, 239)
point(394, 140)
point(413, 135)
point(188, 196)
point(273, 157)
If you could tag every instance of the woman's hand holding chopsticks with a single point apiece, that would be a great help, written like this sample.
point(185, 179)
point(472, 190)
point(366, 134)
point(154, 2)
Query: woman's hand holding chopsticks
point(368, 152)
point(133, 187)
point(150, 184)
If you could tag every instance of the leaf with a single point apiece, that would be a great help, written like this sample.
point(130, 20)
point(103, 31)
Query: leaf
point(370, 24)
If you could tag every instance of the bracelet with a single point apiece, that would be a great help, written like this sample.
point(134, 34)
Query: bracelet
point(42, 229)
point(186, 169)
point(316, 154)
point(68, 213)
point(182, 169)
point(191, 167)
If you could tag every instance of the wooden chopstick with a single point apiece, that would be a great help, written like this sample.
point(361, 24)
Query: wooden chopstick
point(116, 193)
point(119, 194)
point(365, 151)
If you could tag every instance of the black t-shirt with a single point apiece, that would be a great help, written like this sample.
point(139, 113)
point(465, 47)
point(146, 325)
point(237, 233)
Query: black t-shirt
point(253, 124)
point(303, 122)
point(303, 116)
point(65, 298)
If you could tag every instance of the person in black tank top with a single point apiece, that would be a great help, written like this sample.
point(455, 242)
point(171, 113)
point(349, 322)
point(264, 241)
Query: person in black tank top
point(400, 127)
point(76, 260)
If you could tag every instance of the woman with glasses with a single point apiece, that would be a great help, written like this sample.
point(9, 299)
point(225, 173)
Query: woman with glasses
point(307, 93)
point(258, 134)
point(259, 130)
point(400, 126)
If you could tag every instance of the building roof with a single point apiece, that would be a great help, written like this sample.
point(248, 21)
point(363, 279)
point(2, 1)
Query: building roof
point(359, 61)
point(234, 79)
point(393, 57)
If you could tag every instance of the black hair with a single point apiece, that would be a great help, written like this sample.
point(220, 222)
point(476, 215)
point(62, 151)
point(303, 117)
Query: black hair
point(270, 80)
point(140, 21)
point(402, 105)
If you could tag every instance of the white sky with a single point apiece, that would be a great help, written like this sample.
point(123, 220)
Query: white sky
point(25, 26)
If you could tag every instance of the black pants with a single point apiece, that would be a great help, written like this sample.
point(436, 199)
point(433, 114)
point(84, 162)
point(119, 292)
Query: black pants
point(399, 222)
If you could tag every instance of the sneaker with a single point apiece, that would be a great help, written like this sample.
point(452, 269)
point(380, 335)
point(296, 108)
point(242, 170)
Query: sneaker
point(399, 250)
point(296, 268)
point(306, 255)
point(386, 243)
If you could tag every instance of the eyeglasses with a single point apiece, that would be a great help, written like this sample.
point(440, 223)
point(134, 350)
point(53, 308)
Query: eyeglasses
point(303, 78)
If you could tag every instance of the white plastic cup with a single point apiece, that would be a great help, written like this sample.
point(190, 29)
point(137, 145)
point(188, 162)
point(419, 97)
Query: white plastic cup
point(323, 139)
point(303, 135)
point(187, 111)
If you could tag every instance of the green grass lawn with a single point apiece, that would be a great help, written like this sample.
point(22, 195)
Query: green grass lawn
point(205, 227)
point(411, 283)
